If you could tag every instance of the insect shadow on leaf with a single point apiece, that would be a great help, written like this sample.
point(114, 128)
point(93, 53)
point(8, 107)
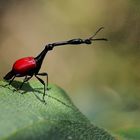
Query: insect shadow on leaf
point(28, 88)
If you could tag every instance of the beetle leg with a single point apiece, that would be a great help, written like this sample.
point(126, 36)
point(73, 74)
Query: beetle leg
point(25, 80)
point(11, 81)
point(47, 78)
point(41, 81)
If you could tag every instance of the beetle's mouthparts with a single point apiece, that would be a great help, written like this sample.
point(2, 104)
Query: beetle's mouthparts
point(103, 39)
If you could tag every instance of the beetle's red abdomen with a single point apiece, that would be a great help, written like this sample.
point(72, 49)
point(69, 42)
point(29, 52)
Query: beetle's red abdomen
point(24, 65)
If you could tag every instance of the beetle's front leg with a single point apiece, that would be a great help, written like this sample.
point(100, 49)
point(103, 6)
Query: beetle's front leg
point(47, 78)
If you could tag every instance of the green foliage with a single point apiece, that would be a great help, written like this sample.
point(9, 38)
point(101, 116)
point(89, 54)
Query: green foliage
point(130, 133)
point(25, 116)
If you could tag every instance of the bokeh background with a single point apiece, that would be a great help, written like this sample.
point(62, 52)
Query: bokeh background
point(102, 79)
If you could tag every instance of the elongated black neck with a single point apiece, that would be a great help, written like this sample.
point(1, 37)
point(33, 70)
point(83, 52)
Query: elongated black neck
point(41, 56)
point(49, 47)
point(39, 59)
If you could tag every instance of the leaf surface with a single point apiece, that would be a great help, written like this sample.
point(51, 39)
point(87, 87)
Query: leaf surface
point(25, 116)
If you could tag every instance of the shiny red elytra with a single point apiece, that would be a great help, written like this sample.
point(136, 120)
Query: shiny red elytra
point(29, 66)
point(23, 65)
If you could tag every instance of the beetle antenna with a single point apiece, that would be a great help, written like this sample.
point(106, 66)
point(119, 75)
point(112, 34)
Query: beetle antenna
point(92, 37)
point(96, 33)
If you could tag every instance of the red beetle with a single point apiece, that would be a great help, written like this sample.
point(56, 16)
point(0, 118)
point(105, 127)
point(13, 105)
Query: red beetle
point(30, 66)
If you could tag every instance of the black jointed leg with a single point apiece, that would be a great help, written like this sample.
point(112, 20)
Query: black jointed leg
point(47, 78)
point(41, 81)
point(12, 80)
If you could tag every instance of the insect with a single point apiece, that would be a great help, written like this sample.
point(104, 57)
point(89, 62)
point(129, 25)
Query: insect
point(29, 66)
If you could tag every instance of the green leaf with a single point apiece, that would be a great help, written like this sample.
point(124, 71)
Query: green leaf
point(25, 116)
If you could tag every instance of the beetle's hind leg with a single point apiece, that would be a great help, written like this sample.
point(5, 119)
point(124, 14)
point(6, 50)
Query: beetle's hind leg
point(10, 82)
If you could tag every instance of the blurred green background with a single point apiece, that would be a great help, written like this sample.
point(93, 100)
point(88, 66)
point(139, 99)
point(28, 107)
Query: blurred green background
point(102, 79)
